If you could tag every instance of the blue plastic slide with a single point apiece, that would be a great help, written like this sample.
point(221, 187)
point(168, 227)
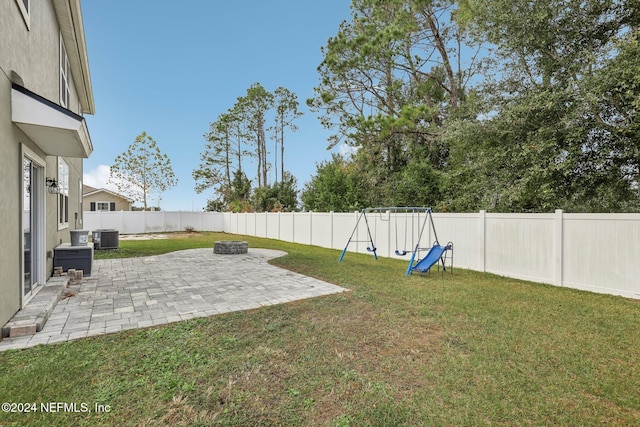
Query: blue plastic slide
point(434, 255)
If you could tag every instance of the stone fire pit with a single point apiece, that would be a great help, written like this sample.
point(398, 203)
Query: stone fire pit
point(230, 247)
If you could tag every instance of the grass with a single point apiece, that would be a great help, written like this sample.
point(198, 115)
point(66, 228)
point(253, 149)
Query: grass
point(463, 349)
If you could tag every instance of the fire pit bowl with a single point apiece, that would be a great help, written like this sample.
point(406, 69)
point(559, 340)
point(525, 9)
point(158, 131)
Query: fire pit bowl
point(230, 247)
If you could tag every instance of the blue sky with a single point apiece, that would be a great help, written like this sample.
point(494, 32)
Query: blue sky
point(170, 68)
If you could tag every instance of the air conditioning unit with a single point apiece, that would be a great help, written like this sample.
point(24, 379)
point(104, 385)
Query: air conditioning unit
point(106, 239)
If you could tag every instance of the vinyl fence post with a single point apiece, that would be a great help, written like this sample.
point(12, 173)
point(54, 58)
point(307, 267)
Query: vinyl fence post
point(482, 231)
point(558, 254)
point(331, 229)
point(355, 218)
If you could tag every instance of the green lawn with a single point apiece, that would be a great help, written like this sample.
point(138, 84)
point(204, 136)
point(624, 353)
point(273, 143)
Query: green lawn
point(463, 349)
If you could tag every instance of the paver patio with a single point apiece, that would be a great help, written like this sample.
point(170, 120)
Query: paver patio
point(130, 293)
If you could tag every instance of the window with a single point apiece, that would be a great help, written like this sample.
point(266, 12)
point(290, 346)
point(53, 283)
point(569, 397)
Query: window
point(80, 203)
point(63, 197)
point(102, 206)
point(65, 93)
point(25, 8)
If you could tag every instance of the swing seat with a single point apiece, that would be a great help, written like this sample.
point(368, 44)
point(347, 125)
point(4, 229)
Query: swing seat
point(372, 249)
point(401, 253)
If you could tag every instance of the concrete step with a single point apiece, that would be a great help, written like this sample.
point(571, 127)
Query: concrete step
point(33, 317)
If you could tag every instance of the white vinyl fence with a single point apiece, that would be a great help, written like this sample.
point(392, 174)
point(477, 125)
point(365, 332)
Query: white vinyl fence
point(133, 222)
point(595, 252)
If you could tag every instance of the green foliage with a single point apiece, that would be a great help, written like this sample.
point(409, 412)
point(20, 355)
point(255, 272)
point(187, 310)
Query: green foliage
point(388, 82)
point(240, 133)
point(554, 131)
point(240, 186)
point(142, 169)
point(335, 187)
point(216, 159)
point(552, 123)
point(235, 198)
point(418, 184)
point(280, 196)
point(611, 129)
point(215, 205)
point(253, 109)
point(286, 106)
point(238, 197)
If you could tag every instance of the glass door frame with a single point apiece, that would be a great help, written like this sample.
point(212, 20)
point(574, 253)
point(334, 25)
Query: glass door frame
point(37, 226)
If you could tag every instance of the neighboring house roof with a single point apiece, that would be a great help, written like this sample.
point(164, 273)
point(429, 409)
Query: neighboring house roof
point(89, 191)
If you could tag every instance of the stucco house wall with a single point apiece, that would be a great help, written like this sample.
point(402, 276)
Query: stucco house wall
point(30, 75)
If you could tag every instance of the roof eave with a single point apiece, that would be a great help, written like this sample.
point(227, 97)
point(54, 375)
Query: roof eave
point(104, 190)
point(69, 14)
point(56, 130)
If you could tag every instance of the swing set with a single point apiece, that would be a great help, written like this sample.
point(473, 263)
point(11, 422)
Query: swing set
point(416, 219)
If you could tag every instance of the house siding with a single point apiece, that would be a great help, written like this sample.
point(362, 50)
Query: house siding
point(33, 53)
point(103, 196)
point(30, 58)
point(10, 233)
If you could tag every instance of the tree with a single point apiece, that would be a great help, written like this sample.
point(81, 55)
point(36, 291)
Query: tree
point(287, 194)
point(142, 169)
point(389, 80)
point(224, 152)
point(279, 197)
point(613, 131)
point(400, 59)
point(242, 127)
point(253, 108)
point(215, 161)
point(286, 103)
point(553, 124)
point(240, 193)
point(336, 186)
point(553, 130)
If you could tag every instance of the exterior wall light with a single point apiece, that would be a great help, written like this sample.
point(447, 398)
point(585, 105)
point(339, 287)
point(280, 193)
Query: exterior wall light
point(52, 186)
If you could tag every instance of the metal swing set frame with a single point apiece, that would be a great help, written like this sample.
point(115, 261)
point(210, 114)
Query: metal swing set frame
point(436, 254)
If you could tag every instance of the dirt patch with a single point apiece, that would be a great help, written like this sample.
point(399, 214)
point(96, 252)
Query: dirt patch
point(157, 236)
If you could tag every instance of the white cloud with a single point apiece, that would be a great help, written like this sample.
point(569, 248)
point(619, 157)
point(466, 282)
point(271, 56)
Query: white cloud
point(347, 151)
point(98, 178)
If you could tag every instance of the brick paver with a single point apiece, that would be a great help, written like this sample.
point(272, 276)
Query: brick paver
point(133, 293)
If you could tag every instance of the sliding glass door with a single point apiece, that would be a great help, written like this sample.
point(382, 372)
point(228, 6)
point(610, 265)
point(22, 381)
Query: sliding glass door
point(31, 226)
